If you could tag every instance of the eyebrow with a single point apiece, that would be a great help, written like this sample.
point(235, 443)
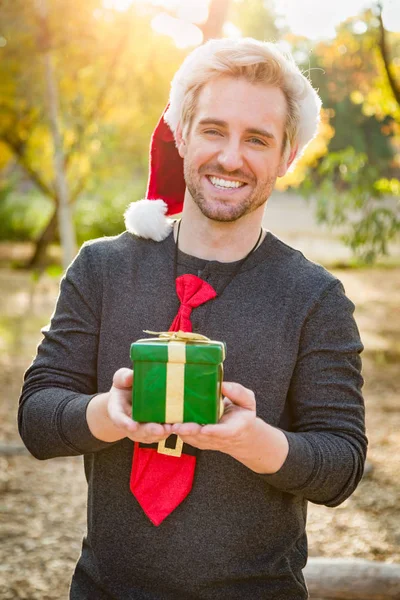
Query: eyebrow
point(252, 130)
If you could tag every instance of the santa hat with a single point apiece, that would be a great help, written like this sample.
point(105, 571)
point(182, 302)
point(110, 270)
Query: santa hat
point(165, 189)
point(166, 186)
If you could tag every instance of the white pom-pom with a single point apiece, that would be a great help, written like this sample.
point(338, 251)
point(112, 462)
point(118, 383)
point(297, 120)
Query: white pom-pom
point(146, 219)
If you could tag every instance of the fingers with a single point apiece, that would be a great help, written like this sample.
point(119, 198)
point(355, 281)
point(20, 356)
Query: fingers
point(120, 410)
point(239, 395)
point(150, 433)
point(123, 379)
point(225, 433)
point(230, 425)
point(185, 429)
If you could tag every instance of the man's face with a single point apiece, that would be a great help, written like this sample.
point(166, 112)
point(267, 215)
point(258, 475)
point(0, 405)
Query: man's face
point(233, 151)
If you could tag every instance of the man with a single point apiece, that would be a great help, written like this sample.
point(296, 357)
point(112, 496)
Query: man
point(293, 426)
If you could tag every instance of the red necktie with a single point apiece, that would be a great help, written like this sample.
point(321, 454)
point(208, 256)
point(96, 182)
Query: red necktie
point(158, 481)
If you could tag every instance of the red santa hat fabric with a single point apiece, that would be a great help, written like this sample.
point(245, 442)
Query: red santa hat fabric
point(165, 188)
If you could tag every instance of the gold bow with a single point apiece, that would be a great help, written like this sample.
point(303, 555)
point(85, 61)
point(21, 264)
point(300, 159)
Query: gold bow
point(179, 336)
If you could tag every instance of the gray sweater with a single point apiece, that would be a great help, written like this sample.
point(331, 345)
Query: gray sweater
point(290, 337)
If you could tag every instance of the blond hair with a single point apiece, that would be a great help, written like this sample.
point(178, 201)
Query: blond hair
point(257, 62)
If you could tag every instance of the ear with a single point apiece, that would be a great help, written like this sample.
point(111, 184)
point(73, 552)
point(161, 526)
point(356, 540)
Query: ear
point(286, 162)
point(180, 141)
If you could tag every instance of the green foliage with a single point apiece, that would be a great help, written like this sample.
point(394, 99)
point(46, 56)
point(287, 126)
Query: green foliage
point(364, 134)
point(103, 212)
point(113, 76)
point(54, 271)
point(357, 184)
point(112, 73)
point(390, 187)
point(97, 213)
point(350, 76)
point(350, 196)
point(23, 216)
point(255, 18)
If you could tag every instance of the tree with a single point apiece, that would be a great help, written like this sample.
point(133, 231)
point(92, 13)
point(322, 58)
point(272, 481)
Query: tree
point(254, 18)
point(113, 74)
point(351, 196)
point(217, 13)
point(354, 181)
point(108, 95)
point(65, 224)
point(30, 137)
point(389, 72)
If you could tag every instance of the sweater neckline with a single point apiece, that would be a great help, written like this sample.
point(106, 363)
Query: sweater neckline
point(214, 266)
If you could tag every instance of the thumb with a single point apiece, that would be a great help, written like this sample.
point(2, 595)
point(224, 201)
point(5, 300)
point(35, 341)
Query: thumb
point(123, 379)
point(239, 395)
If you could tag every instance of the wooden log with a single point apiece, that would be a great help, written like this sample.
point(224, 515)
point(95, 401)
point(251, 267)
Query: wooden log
point(12, 449)
point(352, 579)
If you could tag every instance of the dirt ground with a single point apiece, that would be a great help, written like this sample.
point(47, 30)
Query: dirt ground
point(43, 503)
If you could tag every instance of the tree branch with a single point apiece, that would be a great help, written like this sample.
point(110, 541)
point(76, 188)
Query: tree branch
point(77, 190)
point(17, 148)
point(217, 13)
point(101, 97)
point(382, 45)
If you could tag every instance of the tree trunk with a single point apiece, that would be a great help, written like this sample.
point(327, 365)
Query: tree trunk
point(352, 579)
point(217, 14)
point(47, 236)
point(65, 224)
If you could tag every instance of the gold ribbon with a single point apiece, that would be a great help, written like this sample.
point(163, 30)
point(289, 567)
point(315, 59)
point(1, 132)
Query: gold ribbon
point(174, 397)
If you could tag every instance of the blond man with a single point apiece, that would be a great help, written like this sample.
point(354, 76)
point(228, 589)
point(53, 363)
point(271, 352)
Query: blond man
point(239, 115)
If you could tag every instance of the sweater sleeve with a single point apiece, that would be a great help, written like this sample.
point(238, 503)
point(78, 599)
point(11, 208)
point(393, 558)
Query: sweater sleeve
point(327, 443)
point(62, 379)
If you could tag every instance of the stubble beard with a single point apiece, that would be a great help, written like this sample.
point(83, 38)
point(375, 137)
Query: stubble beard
point(217, 210)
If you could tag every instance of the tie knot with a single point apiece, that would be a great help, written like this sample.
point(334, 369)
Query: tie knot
point(186, 310)
point(192, 292)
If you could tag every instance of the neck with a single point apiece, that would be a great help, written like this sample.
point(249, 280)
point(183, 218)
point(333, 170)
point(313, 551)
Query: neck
point(221, 241)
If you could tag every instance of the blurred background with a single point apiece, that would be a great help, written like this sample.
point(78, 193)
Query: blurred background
point(82, 85)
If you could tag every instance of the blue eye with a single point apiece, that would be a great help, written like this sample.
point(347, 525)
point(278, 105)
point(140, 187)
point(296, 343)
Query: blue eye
point(257, 141)
point(212, 132)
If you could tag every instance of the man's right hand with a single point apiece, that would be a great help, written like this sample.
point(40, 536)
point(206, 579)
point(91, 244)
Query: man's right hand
point(108, 415)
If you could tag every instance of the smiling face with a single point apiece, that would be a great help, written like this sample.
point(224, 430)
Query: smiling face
point(233, 150)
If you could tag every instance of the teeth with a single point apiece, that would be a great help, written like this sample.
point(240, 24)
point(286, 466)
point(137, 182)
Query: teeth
point(224, 183)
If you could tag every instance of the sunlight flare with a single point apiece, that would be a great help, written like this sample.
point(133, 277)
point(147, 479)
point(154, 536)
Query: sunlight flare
point(183, 33)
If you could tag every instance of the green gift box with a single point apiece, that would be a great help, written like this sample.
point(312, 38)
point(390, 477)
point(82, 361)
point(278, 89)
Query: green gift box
point(177, 379)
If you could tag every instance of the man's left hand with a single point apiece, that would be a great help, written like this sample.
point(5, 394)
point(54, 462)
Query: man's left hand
point(233, 430)
point(239, 433)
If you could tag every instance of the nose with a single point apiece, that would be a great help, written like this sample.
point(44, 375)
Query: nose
point(230, 156)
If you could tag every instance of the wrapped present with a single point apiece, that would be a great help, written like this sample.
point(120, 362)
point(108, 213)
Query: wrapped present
point(178, 378)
